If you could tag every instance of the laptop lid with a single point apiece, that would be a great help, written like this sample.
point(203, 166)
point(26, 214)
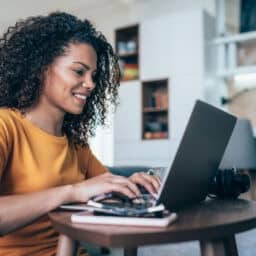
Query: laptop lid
point(197, 158)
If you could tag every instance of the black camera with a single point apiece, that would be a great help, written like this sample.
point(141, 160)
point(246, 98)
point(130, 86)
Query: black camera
point(229, 184)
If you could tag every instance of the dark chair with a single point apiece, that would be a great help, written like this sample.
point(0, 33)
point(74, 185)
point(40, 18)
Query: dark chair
point(127, 170)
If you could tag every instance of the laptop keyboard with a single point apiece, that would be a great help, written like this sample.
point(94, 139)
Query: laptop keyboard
point(115, 200)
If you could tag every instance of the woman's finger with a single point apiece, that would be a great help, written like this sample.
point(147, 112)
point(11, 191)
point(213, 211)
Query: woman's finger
point(154, 179)
point(126, 182)
point(159, 181)
point(120, 188)
point(151, 179)
point(141, 180)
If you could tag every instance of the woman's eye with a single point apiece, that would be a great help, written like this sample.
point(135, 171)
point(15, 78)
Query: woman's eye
point(79, 72)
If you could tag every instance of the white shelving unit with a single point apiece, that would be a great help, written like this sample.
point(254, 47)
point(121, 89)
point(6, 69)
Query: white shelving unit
point(169, 50)
point(227, 54)
point(227, 46)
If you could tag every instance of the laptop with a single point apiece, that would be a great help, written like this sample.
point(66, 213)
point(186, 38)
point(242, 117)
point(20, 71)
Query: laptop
point(197, 158)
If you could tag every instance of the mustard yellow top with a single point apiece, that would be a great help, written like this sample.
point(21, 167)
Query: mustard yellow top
point(33, 160)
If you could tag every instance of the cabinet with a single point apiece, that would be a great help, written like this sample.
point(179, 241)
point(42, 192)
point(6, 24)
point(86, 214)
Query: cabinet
point(155, 109)
point(127, 48)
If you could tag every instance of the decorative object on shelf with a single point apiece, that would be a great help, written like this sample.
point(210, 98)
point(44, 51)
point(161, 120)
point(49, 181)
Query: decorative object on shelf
point(131, 46)
point(130, 71)
point(126, 48)
point(155, 106)
point(127, 45)
point(121, 48)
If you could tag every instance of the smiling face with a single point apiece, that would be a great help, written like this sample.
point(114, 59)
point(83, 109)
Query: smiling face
point(69, 80)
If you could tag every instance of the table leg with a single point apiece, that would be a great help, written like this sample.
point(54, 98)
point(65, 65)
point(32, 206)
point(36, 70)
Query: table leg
point(66, 246)
point(220, 247)
point(130, 251)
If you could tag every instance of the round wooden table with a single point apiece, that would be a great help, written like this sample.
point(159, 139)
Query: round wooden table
point(213, 222)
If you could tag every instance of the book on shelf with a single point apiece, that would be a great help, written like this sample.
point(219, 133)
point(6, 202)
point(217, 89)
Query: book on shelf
point(130, 71)
point(161, 98)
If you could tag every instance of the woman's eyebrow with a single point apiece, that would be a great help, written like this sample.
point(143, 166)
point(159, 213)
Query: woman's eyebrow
point(84, 65)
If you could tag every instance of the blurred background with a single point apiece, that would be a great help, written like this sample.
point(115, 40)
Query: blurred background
point(171, 53)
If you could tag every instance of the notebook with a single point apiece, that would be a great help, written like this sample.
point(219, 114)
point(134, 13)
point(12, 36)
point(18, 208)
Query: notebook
point(149, 221)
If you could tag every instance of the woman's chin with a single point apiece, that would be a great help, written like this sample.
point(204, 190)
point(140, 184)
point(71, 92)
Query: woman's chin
point(74, 111)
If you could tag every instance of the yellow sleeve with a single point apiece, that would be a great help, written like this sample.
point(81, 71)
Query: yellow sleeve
point(5, 145)
point(93, 166)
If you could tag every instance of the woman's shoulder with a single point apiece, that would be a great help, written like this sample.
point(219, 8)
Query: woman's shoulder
point(8, 122)
point(8, 115)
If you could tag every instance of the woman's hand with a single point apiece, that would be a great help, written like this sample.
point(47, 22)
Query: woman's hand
point(104, 183)
point(150, 182)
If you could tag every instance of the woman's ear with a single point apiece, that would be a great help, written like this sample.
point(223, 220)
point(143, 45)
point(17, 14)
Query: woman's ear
point(42, 75)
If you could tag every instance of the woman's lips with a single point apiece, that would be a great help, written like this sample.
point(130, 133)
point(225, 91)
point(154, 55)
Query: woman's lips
point(81, 98)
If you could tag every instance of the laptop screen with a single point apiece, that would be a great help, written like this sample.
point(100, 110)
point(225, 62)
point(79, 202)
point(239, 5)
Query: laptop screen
point(197, 158)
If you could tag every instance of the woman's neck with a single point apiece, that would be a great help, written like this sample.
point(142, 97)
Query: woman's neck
point(48, 120)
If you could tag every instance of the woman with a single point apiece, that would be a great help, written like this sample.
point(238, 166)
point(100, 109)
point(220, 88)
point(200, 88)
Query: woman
point(58, 77)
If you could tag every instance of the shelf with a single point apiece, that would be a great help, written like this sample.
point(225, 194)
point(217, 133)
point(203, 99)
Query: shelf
point(128, 55)
point(127, 45)
point(155, 135)
point(236, 71)
point(242, 37)
point(228, 54)
point(129, 79)
point(153, 110)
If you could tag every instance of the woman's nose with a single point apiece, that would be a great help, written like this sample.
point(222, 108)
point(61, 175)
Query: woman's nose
point(89, 84)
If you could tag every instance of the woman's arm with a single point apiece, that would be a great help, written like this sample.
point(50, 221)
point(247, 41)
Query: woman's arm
point(17, 211)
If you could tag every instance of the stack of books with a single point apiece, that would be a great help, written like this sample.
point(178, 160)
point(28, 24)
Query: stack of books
point(132, 215)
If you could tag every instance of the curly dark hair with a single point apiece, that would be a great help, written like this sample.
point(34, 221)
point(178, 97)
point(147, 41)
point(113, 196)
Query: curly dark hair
point(29, 47)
